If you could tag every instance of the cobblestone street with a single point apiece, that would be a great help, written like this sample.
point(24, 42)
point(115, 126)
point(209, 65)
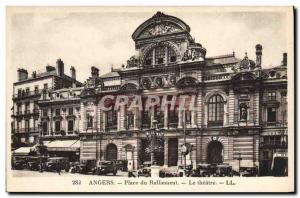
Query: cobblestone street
point(28, 173)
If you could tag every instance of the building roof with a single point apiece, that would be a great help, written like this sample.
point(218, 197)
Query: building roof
point(110, 75)
point(223, 60)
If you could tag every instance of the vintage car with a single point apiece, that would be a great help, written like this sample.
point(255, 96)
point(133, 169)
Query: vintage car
point(224, 170)
point(202, 170)
point(185, 171)
point(19, 164)
point(121, 165)
point(85, 169)
point(168, 172)
point(53, 163)
point(33, 165)
point(73, 167)
point(145, 170)
point(106, 167)
point(248, 171)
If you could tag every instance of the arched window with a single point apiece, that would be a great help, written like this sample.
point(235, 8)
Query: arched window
point(215, 110)
point(171, 55)
point(160, 55)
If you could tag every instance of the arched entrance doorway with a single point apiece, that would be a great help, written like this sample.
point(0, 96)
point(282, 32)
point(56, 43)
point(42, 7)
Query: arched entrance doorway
point(111, 152)
point(215, 152)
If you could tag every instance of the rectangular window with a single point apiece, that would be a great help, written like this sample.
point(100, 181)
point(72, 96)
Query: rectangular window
point(112, 119)
point(129, 120)
point(45, 128)
point(45, 112)
point(146, 119)
point(272, 96)
point(71, 111)
point(159, 55)
point(70, 126)
point(46, 86)
point(159, 116)
point(271, 114)
point(57, 112)
point(27, 91)
point(173, 118)
point(57, 126)
point(27, 107)
point(26, 125)
point(19, 92)
point(188, 117)
point(36, 89)
point(19, 109)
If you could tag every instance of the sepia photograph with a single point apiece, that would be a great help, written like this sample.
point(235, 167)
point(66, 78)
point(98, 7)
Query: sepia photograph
point(150, 99)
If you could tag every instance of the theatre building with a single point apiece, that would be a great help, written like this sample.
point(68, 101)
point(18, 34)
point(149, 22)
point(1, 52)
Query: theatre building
point(239, 104)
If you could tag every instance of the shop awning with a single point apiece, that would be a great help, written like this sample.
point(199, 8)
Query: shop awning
point(64, 145)
point(23, 151)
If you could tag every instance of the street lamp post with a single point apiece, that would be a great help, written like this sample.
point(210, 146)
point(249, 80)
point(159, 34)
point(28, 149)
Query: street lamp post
point(154, 136)
point(240, 159)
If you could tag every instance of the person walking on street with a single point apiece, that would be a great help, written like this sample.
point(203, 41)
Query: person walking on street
point(58, 168)
point(130, 170)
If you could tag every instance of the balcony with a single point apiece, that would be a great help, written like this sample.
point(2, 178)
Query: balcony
point(274, 124)
point(216, 77)
point(23, 94)
point(26, 130)
point(87, 126)
point(250, 121)
point(111, 128)
point(274, 145)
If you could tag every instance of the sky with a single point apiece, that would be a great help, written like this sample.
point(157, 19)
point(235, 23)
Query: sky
point(102, 36)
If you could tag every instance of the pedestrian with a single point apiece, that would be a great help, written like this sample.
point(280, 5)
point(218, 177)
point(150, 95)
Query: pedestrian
point(130, 170)
point(58, 168)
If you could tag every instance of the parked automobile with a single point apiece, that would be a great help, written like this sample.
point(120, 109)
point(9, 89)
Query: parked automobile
point(122, 165)
point(53, 162)
point(73, 167)
point(224, 170)
point(202, 170)
point(145, 170)
point(248, 171)
point(85, 169)
point(185, 171)
point(168, 172)
point(106, 167)
point(33, 165)
point(20, 164)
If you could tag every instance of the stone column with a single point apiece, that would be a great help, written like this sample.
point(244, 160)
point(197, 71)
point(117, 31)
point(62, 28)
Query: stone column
point(166, 117)
point(225, 114)
point(206, 114)
point(180, 118)
point(95, 127)
point(231, 107)
point(136, 118)
point(166, 154)
point(193, 118)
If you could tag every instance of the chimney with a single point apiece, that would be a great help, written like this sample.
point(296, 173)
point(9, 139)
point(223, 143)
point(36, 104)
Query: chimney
point(258, 52)
point(284, 59)
point(22, 74)
point(73, 72)
point(34, 74)
point(95, 71)
point(50, 68)
point(60, 67)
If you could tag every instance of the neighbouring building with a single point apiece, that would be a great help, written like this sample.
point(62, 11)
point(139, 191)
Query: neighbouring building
point(26, 93)
point(59, 120)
